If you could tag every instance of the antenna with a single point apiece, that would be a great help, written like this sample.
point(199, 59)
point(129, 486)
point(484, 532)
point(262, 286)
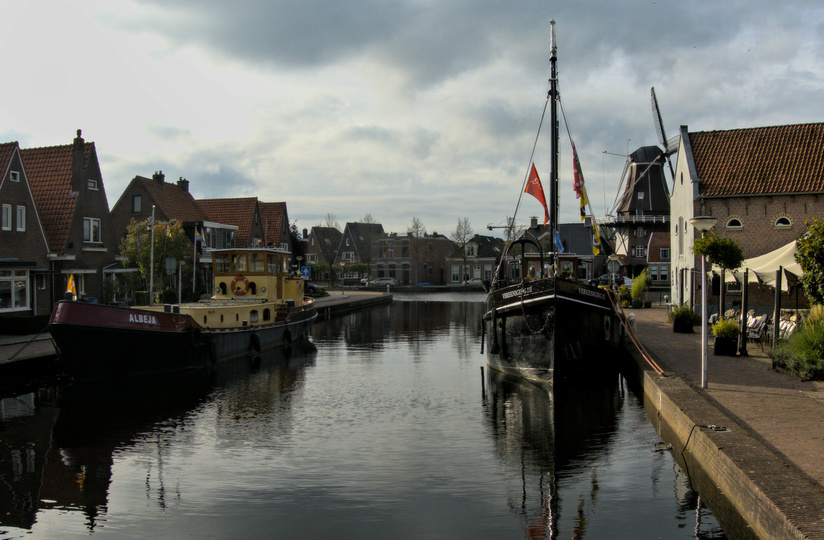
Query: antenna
point(659, 130)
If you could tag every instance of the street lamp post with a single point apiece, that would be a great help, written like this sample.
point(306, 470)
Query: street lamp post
point(703, 224)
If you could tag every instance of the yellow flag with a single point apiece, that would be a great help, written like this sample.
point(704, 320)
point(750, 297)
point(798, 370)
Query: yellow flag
point(596, 239)
point(71, 287)
point(584, 203)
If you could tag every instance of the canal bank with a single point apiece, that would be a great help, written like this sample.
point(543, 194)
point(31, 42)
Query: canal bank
point(30, 352)
point(757, 433)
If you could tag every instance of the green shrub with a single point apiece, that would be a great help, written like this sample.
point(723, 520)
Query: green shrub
point(803, 352)
point(725, 328)
point(681, 312)
point(625, 295)
point(641, 284)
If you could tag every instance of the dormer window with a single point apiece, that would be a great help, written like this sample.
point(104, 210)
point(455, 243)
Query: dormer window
point(782, 223)
point(14, 176)
point(91, 183)
point(734, 223)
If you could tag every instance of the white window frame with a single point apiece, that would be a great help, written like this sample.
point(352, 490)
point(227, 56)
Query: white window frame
point(665, 253)
point(20, 225)
point(92, 184)
point(6, 217)
point(13, 276)
point(14, 176)
point(88, 236)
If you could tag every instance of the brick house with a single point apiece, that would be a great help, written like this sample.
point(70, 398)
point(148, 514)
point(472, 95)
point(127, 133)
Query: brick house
point(761, 184)
point(478, 260)
point(411, 260)
point(243, 213)
point(25, 279)
point(355, 247)
point(275, 222)
point(70, 198)
point(322, 248)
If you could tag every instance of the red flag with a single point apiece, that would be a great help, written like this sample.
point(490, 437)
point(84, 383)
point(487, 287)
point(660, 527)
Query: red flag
point(577, 173)
point(534, 188)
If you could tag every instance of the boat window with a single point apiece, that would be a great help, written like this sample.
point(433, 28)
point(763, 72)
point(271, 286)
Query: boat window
point(256, 263)
point(204, 320)
point(253, 316)
point(239, 262)
point(267, 314)
point(273, 264)
point(222, 264)
point(284, 264)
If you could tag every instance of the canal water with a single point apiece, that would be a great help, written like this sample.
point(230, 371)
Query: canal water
point(391, 429)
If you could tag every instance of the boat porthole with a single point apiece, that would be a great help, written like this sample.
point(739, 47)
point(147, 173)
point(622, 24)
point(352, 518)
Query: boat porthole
point(204, 319)
point(237, 317)
point(221, 317)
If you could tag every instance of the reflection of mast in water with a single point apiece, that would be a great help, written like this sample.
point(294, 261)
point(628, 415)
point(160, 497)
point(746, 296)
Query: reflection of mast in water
point(544, 430)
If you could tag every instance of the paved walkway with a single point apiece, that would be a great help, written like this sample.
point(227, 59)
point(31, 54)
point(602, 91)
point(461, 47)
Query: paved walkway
point(786, 414)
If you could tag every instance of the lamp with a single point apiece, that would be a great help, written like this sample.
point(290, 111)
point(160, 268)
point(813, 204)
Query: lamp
point(703, 224)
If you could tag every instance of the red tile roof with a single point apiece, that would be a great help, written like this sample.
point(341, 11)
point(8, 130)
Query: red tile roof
point(760, 161)
point(238, 212)
point(271, 216)
point(6, 151)
point(174, 201)
point(49, 172)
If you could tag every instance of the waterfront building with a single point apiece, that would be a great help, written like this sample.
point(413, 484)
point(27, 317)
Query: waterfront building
point(411, 259)
point(761, 184)
point(354, 253)
point(477, 259)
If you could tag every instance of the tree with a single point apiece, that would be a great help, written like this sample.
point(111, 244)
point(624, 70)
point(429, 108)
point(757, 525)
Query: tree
point(418, 232)
point(169, 242)
point(810, 257)
point(331, 221)
point(461, 236)
point(368, 218)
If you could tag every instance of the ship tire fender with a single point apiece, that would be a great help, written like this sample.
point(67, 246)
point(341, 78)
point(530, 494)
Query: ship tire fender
point(256, 342)
point(240, 279)
point(194, 335)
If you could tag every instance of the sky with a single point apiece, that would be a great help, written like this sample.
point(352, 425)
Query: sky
point(396, 108)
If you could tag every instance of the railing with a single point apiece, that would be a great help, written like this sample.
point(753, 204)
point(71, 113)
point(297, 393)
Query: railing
point(609, 220)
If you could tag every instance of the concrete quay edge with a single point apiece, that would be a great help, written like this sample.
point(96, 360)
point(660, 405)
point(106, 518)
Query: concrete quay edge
point(776, 498)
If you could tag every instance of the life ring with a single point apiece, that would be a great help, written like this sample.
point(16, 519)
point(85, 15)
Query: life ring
point(237, 290)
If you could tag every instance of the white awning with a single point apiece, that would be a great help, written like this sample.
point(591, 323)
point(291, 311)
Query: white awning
point(762, 269)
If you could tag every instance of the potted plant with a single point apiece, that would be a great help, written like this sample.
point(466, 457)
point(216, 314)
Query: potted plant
point(726, 336)
point(682, 318)
point(640, 286)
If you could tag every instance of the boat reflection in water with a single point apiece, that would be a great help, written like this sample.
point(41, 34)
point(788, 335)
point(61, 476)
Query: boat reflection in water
point(568, 452)
point(59, 455)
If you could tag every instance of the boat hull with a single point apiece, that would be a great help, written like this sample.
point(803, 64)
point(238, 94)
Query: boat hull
point(97, 340)
point(550, 328)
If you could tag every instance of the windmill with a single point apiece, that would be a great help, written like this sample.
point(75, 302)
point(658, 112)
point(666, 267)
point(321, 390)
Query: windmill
point(669, 146)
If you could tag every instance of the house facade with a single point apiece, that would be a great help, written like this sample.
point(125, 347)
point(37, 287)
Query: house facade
point(70, 198)
point(411, 260)
point(25, 270)
point(761, 184)
point(243, 213)
point(275, 223)
point(321, 250)
point(355, 248)
point(478, 259)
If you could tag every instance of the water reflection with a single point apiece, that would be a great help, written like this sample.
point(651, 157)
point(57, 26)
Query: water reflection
point(59, 445)
point(554, 441)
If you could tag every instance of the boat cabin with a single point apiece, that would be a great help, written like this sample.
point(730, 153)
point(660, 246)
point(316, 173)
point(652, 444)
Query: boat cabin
point(255, 274)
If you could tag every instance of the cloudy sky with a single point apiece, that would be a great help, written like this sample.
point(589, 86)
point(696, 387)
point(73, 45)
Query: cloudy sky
point(395, 108)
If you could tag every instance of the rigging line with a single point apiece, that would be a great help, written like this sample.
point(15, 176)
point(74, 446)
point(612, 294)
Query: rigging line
point(637, 179)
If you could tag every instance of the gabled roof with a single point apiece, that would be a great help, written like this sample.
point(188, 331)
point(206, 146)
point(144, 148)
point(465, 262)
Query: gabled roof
point(6, 151)
point(239, 212)
point(328, 240)
point(49, 172)
point(172, 200)
point(760, 161)
point(489, 247)
point(272, 215)
point(362, 234)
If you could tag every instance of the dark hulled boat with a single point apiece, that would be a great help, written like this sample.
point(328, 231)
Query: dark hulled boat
point(549, 326)
point(256, 306)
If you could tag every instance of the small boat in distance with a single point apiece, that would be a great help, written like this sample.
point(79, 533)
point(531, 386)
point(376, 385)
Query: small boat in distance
point(549, 326)
point(257, 305)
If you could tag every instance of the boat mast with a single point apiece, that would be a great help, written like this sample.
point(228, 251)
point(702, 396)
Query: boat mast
point(553, 174)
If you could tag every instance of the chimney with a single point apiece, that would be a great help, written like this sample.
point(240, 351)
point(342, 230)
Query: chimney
point(533, 221)
point(183, 184)
point(305, 233)
point(78, 163)
point(159, 177)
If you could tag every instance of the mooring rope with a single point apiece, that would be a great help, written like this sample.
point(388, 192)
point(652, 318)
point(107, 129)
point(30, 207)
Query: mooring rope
point(633, 336)
point(29, 342)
